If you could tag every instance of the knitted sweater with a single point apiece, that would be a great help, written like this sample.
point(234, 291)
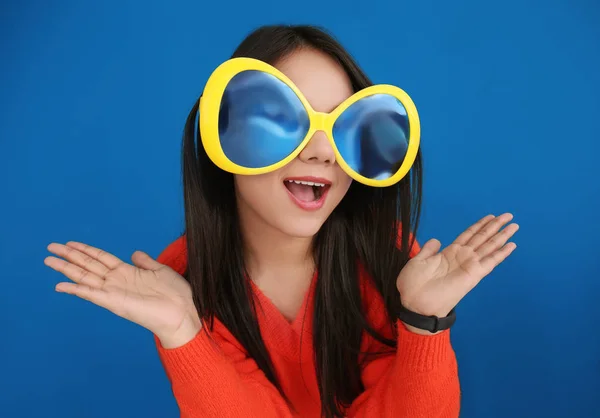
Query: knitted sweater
point(215, 377)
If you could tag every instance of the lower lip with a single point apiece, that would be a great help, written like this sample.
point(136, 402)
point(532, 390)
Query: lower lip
point(314, 205)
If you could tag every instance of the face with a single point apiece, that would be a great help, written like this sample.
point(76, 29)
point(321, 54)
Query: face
point(284, 199)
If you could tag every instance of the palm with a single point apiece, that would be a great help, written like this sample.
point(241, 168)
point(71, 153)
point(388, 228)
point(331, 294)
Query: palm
point(140, 296)
point(459, 259)
point(148, 293)
point(433, 282)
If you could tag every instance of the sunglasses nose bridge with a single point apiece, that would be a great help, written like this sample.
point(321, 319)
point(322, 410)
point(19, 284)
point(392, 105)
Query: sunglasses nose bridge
point(320, 121)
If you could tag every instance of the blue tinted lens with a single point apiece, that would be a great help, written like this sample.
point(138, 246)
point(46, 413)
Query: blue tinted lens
point(372, 136)
point(261, 120)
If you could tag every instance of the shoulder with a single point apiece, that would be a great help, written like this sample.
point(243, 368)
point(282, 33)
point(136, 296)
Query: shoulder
point(175, 255)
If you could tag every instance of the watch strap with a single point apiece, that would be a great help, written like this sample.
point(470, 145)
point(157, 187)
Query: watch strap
point(430, 323)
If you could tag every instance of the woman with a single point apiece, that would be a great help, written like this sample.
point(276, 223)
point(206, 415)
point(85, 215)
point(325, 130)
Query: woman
point(297, 288)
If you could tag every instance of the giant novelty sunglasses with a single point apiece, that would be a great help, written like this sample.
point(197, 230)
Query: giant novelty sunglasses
point(254, 120)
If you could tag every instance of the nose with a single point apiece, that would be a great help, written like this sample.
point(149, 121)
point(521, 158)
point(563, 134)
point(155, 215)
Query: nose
point(318, 150)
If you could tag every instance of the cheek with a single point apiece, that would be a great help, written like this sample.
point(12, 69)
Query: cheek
point(254, 190)
point(247, 186)
point(343, 184)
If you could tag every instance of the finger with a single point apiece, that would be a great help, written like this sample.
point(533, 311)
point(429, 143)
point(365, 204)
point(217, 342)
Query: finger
point(82, 291)
point(463, 238)
point(75, 273)
point(497, 241)
point(79, 259)
point(102, 256)
point(489, 230)
point(144, 261)
point(430, 248)
point(490, 262)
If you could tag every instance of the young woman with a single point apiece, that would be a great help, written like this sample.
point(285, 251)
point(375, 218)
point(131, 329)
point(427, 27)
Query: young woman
point(297, 289)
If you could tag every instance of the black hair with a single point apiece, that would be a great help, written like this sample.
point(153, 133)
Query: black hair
point(362, 229)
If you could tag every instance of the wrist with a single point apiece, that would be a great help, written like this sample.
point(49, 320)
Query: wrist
point(190, 327)
point(425, 310)
point(425, 321)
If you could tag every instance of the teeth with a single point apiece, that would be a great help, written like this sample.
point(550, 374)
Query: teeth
point(307, 183)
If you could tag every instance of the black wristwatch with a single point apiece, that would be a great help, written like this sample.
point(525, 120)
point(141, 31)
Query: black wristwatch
point(428, 323)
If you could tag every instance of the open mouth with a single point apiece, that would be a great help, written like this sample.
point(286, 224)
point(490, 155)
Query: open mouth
point(306, 191)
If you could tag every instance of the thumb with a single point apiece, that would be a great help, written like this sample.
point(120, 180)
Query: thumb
point(144, 261)
point(430, 248)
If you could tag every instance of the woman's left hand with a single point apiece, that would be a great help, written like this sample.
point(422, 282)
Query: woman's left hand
point(433, 282)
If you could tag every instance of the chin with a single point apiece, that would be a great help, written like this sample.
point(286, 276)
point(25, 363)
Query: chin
point(301, 228)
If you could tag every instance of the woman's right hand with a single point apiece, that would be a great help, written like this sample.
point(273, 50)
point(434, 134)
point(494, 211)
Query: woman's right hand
point(147, 293)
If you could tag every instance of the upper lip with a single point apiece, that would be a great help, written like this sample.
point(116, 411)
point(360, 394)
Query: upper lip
point(310, 179)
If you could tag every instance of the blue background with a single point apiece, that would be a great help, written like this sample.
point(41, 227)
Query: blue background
point(93, 100)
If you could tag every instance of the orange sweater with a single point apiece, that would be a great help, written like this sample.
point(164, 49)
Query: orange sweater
point(418, 380)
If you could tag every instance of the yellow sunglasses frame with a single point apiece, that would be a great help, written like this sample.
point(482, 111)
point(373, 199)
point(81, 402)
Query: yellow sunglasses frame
point(210, 104)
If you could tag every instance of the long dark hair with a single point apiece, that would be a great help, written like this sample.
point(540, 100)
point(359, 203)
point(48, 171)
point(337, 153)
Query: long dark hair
point(362, 229)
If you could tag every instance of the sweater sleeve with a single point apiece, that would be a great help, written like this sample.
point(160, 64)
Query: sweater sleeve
point(212, 378)
point(212, 375)
point(418, 380)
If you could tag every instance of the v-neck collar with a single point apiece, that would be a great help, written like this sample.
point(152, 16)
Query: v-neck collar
point(292, 339)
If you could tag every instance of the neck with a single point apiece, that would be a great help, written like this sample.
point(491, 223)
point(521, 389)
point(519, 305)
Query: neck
point(271, 254)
